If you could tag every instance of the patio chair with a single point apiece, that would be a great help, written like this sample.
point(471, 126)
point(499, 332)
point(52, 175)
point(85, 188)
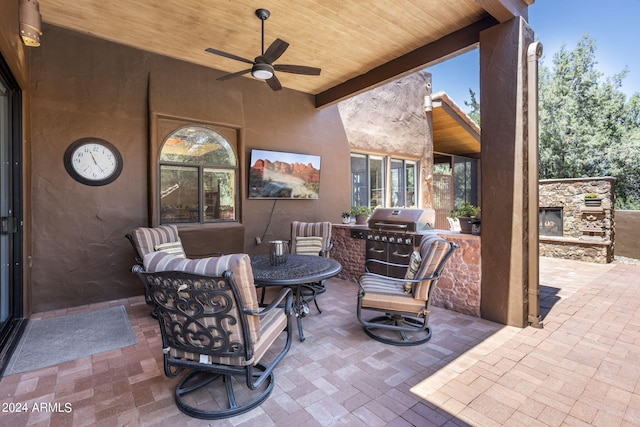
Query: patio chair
point(312, 238)
point(454, 224)
point(164, 238)
point(213, 329)
point(404, 302)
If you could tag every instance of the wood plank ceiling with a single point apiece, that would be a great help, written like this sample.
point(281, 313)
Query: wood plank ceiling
point(453, 131)
point(358, 44)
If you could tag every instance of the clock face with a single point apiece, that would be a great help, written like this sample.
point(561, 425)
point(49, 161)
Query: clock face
point(93, 161)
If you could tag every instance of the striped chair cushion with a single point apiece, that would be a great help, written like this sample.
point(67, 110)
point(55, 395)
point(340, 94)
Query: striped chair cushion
point(433, 249)
point(387, 294)
point(311, 245)
point(308, 229)
point(173, 248)
point(146, 239)
point(238, 264)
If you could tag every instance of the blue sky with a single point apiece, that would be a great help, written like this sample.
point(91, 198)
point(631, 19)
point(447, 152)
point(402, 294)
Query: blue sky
point(613, 25)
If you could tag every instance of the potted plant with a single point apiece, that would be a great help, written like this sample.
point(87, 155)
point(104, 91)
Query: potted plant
point(361, 213)
point(468, 215)
point(592, 199)
point(346, 217)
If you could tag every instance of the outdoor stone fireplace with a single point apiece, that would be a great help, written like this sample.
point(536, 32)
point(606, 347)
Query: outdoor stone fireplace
point(573, 227)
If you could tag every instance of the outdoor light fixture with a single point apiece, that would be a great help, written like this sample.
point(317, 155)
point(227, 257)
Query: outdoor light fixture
point(262, 71)
point(30, 22)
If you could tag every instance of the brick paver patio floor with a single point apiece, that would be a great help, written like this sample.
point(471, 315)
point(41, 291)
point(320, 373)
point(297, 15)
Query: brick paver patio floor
point(581, 369)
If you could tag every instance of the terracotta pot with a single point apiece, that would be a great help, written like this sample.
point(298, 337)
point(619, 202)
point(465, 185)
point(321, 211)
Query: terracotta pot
point(361, 219)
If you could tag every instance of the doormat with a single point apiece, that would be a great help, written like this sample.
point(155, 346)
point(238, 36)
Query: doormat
point(48, 342)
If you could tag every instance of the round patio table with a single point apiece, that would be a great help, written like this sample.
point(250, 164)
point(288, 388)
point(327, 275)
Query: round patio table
point(299, 270)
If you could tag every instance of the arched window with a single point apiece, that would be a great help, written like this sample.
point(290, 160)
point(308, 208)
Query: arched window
point(198, 177)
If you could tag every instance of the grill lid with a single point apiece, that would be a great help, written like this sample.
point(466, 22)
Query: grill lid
point(402, 219)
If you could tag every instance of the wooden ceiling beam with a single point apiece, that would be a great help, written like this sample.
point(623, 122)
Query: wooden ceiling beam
point(504, 10)
point(447, 47)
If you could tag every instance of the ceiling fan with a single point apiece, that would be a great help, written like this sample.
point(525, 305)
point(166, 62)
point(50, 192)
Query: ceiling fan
point(262, 66)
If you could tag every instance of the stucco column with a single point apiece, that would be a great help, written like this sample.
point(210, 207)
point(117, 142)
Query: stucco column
point(506, 257)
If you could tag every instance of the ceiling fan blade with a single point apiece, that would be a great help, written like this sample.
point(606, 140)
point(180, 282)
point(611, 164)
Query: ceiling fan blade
point(232, 75)
point(274, 83)
point(228, 55)
point(297, 69)
point(274, 51)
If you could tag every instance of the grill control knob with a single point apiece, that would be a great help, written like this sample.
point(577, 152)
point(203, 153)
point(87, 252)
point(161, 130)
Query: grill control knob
point(384, 238)
point(392, 239)
point(408, 241)
point(370, 236)
point(376, 237)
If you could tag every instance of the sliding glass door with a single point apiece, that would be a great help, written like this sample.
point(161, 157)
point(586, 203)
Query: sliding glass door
point(10, 213)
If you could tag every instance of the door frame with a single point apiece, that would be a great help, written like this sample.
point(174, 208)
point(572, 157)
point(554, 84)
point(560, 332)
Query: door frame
point(11, 329)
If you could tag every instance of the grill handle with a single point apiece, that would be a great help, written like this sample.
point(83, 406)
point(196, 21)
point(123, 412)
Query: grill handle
point(390, 225)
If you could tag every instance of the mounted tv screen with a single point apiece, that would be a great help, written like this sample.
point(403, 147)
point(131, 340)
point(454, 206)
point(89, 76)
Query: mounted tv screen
point(279, 175)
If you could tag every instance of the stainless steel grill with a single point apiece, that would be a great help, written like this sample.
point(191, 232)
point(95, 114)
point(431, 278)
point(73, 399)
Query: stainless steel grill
point(392, 235)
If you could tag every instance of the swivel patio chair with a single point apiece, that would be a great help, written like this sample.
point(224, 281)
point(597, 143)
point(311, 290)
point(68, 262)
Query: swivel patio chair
point(145, 240)
point(164, 238)
point(213, 329)
point(405, 302)
point(312, 238)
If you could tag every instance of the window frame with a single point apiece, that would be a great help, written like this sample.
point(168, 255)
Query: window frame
point(201, 169)
point(387, 187)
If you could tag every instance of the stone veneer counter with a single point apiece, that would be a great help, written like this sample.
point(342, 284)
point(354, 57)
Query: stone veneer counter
point(459, 287)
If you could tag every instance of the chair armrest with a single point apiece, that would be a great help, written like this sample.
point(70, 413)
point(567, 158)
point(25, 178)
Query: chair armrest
point(285, 292)
point(137, 268)
point(386, 263)
point(396, 279)
point(207, 255)
point(325, 253)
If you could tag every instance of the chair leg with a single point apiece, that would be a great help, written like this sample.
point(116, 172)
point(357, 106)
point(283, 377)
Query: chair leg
point(388, 327)
point(239, 400)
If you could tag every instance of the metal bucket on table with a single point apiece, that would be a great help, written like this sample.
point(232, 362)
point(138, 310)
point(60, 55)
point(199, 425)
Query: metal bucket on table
point(278, 252)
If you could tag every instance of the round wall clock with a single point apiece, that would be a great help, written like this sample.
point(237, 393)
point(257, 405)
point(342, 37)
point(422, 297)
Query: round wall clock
point(93, 161)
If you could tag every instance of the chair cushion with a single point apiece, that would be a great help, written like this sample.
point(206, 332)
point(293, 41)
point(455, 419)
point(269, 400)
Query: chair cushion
point(146, 238)
point(311, 245)
point(386, 294)
point(433, 249)
point(308, 229)
point(238, 264)
point(414, 265)
point(173, 248)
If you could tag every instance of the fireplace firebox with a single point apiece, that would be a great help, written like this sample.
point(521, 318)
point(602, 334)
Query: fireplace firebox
point(550, 222)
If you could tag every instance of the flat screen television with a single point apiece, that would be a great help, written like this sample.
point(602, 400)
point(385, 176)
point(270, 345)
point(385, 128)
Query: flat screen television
point(281, 175)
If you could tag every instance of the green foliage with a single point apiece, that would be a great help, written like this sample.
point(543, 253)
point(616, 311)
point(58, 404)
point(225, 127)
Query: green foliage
point(587, 127)
point(465, 210)
point(359, 210)
point(591, 196)
point(474, 106)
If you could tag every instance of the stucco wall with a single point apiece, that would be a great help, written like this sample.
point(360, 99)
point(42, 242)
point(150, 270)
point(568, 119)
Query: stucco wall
point(88, 87)
point(628, 234)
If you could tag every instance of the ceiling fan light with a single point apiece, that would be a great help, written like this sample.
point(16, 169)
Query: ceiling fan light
point(262, 71)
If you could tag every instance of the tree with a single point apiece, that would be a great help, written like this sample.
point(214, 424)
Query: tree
point(587, 128)
point(474, 105)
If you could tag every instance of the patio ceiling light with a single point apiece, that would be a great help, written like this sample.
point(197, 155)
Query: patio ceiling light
point(262, 71)
point(30, 22)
